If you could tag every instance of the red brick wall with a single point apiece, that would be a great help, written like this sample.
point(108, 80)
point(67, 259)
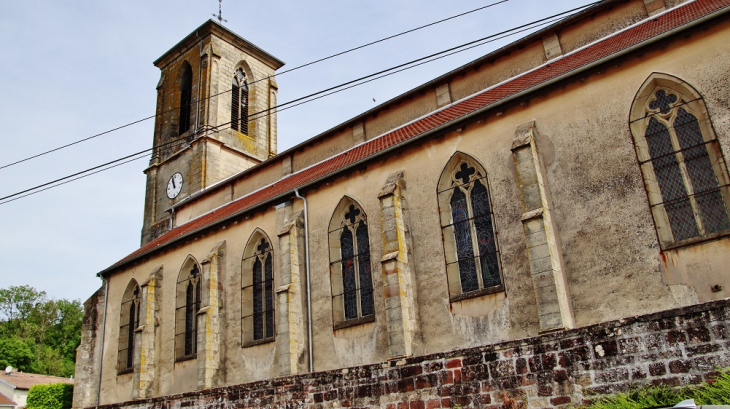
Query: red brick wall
point(676, 347)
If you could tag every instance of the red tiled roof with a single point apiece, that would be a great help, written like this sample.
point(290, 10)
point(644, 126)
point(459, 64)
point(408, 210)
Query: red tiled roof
point(5, 401)
point(554, 69)
point(22, 380)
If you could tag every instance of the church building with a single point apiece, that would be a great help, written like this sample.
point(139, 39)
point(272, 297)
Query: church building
point(544, 224)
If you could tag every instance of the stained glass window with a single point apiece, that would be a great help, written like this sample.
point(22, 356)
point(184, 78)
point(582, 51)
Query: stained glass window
point(189, 288)
point(257, 292)
point(681, 158)
point(239, 102)
point(471, 249)
point(128, 323)
point(352, 285)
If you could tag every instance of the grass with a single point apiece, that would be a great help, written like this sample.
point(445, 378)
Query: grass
point(715, 392)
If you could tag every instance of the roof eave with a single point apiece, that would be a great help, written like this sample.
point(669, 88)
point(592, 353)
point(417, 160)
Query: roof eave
point(416, 138)
point(211, 27)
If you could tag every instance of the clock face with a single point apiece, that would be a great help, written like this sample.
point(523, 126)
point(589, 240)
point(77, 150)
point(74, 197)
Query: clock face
point(174, 185)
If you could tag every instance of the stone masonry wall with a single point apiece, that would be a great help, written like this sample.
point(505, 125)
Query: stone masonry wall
point(675, 347)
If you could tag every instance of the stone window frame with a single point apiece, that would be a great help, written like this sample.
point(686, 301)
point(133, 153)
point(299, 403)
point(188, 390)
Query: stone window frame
point(251, 83)
point(185, 107)
point(446, 186)
point(689, 99)
point(182, 309)
point(128, 324)
point(337, 223)
point(250, 254)
point(238, 109)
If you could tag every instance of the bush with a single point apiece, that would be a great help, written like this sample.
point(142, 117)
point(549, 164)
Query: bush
point(50, 396)
point(715, 392)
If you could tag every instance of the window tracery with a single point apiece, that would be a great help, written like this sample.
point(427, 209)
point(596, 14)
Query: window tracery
point(128, 323)
point(189, 286)
point(684, 171)
point(257, 291)
point(470, 245)
point(351, 275)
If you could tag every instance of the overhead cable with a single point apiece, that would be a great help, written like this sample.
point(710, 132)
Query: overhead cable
point(174, 109)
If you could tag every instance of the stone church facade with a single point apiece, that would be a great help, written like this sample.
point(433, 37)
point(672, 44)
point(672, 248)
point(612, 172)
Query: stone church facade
point(567, 187)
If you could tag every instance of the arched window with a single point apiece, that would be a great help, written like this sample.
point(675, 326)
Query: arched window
point(186, 98)
point(128, 323)
point(239, 102)
point(467, 222)
point(189, 285)
point(683, 167)
point(257, 291)
point(351, 278)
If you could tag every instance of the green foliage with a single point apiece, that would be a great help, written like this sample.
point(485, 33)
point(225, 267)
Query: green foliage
point(716, 392)
point(41, 334)
point(17, 353)
point(50, 396)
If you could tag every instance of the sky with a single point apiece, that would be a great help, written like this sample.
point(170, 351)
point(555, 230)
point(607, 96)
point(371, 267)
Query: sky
point(72, 69)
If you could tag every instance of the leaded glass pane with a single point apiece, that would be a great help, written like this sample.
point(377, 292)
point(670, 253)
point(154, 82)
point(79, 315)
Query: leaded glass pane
point(702, 175)
point(269, 295)
point(669, 178)
point(258, 304)
point(463, 239)
point(189, 318)
point(130, 336)
point(349, 282)
point(366, 284)
point(485, 235)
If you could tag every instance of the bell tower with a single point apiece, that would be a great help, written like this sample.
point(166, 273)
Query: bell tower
point(214, 118)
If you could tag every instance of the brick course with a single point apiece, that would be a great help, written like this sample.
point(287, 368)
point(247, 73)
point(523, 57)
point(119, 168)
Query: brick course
point(675, 347)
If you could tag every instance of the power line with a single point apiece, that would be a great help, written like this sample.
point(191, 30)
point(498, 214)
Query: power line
point(253, 82)
point(305, 99)
point(449, 51)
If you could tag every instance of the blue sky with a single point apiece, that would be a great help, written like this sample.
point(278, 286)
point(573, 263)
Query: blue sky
point(74, 69)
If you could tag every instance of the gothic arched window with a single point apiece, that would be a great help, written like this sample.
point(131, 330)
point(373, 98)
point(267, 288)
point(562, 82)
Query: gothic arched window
point(189, 286)
point(351, 277)
point(186, 98)
point(128, 323)
point(257, 291)
point(684, 171)
point(467, 222)
point(239, 102)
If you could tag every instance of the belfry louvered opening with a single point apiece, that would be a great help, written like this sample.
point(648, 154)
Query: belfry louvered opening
point(239, 102)
point(186, 97)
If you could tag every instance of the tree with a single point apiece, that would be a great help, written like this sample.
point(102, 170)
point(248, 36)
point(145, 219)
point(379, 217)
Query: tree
point(17, 303)
point(39, 335)
point(17, 353)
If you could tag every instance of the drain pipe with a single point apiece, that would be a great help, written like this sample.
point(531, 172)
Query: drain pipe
point(103, 331)
point(309, 288)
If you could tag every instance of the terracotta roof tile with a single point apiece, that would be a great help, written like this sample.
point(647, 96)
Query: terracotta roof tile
point(4, 400)
point(22, 380)
point(553, 69)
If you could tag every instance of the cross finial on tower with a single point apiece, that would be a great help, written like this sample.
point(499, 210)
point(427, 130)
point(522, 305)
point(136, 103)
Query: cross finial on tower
point(220, 13)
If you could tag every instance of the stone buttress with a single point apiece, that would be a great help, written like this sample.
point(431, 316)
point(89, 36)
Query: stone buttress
point(541, 233)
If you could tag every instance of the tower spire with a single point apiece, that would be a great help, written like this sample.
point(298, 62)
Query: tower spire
point(220, 13)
